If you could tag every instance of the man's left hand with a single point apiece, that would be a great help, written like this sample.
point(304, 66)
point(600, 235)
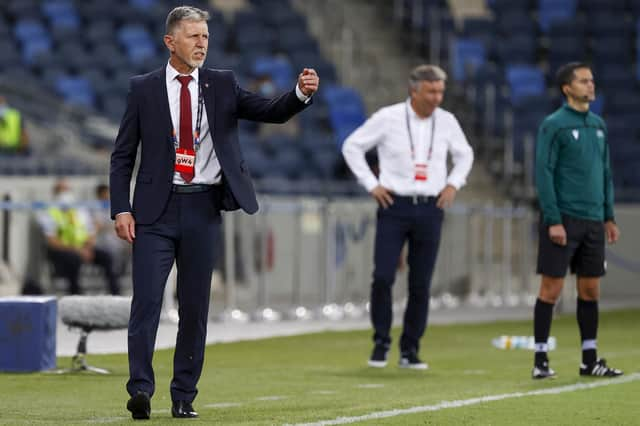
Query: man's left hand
point(308, 81)
point(446, 197)
point(611, 231)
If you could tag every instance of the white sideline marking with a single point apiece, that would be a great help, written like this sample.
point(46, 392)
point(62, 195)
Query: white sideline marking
point(223, 405)
point(271, 398)
point(370, 386)
point(323, 392)
point(101, 420)
point(474, 372)
point(473, 401)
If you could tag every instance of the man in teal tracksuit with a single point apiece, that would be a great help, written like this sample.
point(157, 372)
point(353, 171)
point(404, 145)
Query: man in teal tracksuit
point(575, 190)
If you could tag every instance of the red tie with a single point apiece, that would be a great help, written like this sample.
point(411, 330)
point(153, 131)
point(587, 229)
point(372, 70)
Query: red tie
point(186, 129)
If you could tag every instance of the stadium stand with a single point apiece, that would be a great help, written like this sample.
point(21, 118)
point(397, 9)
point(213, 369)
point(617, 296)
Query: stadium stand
point(511, 86)
point(82, 54)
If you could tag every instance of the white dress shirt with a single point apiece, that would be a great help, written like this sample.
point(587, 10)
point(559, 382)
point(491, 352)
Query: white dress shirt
point(387, 130)
point(207, 164)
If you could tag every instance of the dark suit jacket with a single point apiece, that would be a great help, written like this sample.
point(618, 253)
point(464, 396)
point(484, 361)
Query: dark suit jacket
point(147, 121)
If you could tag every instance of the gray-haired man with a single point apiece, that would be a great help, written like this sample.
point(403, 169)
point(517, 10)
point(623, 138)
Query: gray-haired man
point(185, 118)
point(413, 139)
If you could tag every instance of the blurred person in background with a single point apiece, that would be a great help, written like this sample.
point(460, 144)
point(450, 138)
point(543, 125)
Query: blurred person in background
point(70, 240)
point(264, 86)
point(414, 187)
point(13, 136)
point(575, 191)
point(178, 114)
point(106, 239)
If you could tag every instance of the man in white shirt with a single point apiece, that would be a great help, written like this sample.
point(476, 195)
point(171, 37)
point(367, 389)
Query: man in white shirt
point(413, 139)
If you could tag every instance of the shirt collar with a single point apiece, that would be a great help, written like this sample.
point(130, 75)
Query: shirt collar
point(567, 107)
point(172, 73)
point(412, 113)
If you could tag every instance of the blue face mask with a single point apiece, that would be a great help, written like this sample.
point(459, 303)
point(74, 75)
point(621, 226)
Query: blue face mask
point(3, 110)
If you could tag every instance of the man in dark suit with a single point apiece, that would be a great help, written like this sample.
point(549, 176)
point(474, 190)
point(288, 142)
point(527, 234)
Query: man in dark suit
point(185, 119)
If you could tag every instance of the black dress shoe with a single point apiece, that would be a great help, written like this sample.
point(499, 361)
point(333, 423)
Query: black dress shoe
point(140, 405)
point(183, 410)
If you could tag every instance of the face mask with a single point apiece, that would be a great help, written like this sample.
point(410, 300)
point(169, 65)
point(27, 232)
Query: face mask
point(66, 198)
point(3, 110)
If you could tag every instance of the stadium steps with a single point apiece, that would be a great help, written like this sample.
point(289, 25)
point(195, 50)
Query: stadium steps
point(378, 66)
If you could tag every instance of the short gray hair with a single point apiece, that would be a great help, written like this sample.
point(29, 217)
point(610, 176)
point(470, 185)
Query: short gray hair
point(426, 73)
point(182, 13)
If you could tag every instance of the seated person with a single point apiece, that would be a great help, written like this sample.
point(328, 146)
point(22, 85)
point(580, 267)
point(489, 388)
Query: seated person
point(106, 238)
point(70, 240)
point(13, 137)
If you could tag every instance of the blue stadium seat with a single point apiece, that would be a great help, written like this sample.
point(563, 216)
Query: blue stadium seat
point(27, 29)
point(516, 23)
point(516, 49)
point(278, 68)
point(22, 9)
point(565, 49)
point(141, 53)
point(294, 40)
point(482, 29)
point(276, 143)
point(524, 81)
point(34, 46)
point(258, 162)
point(9, 51)
point(576, 27)
point(287, 162)
point(634, 6)
point(281, 15)
point(324, 68)
point(326, 161)
point(596, 7)
point(61, 14)
point(610, 24)
point(550, 11)
point(258, 38)
point(597, 106)
point(132, 34)
point(615, 77)
point(143, 4)
point(75, 90)
point(614, 50)
point(509, 6)
point(621, 102)
point(467, 55)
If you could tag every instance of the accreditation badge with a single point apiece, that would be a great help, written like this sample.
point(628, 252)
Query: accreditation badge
point(421, 172)
point(185, 160)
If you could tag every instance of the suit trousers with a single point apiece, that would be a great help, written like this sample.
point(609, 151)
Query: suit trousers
point(420, 224)
point(188, 232)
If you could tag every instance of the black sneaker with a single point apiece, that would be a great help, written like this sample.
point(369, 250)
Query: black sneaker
point(599, 369)
point(411, 360)
point(543, 371)
point(378, 357)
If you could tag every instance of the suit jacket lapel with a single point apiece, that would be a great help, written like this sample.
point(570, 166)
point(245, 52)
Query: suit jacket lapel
point(207, 87)
point(161, 97)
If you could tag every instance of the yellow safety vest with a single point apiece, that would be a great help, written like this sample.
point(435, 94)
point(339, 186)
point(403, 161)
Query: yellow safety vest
point(10, 129)
point(70, 230)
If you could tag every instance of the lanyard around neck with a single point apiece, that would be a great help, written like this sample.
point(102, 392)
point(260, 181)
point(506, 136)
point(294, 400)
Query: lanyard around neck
point(433, 131)
point(196, 134)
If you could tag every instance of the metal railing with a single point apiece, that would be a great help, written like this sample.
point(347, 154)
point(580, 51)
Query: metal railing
point(313, 257)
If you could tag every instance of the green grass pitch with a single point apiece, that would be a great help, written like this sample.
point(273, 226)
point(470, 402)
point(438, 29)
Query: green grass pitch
point(315, 377)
